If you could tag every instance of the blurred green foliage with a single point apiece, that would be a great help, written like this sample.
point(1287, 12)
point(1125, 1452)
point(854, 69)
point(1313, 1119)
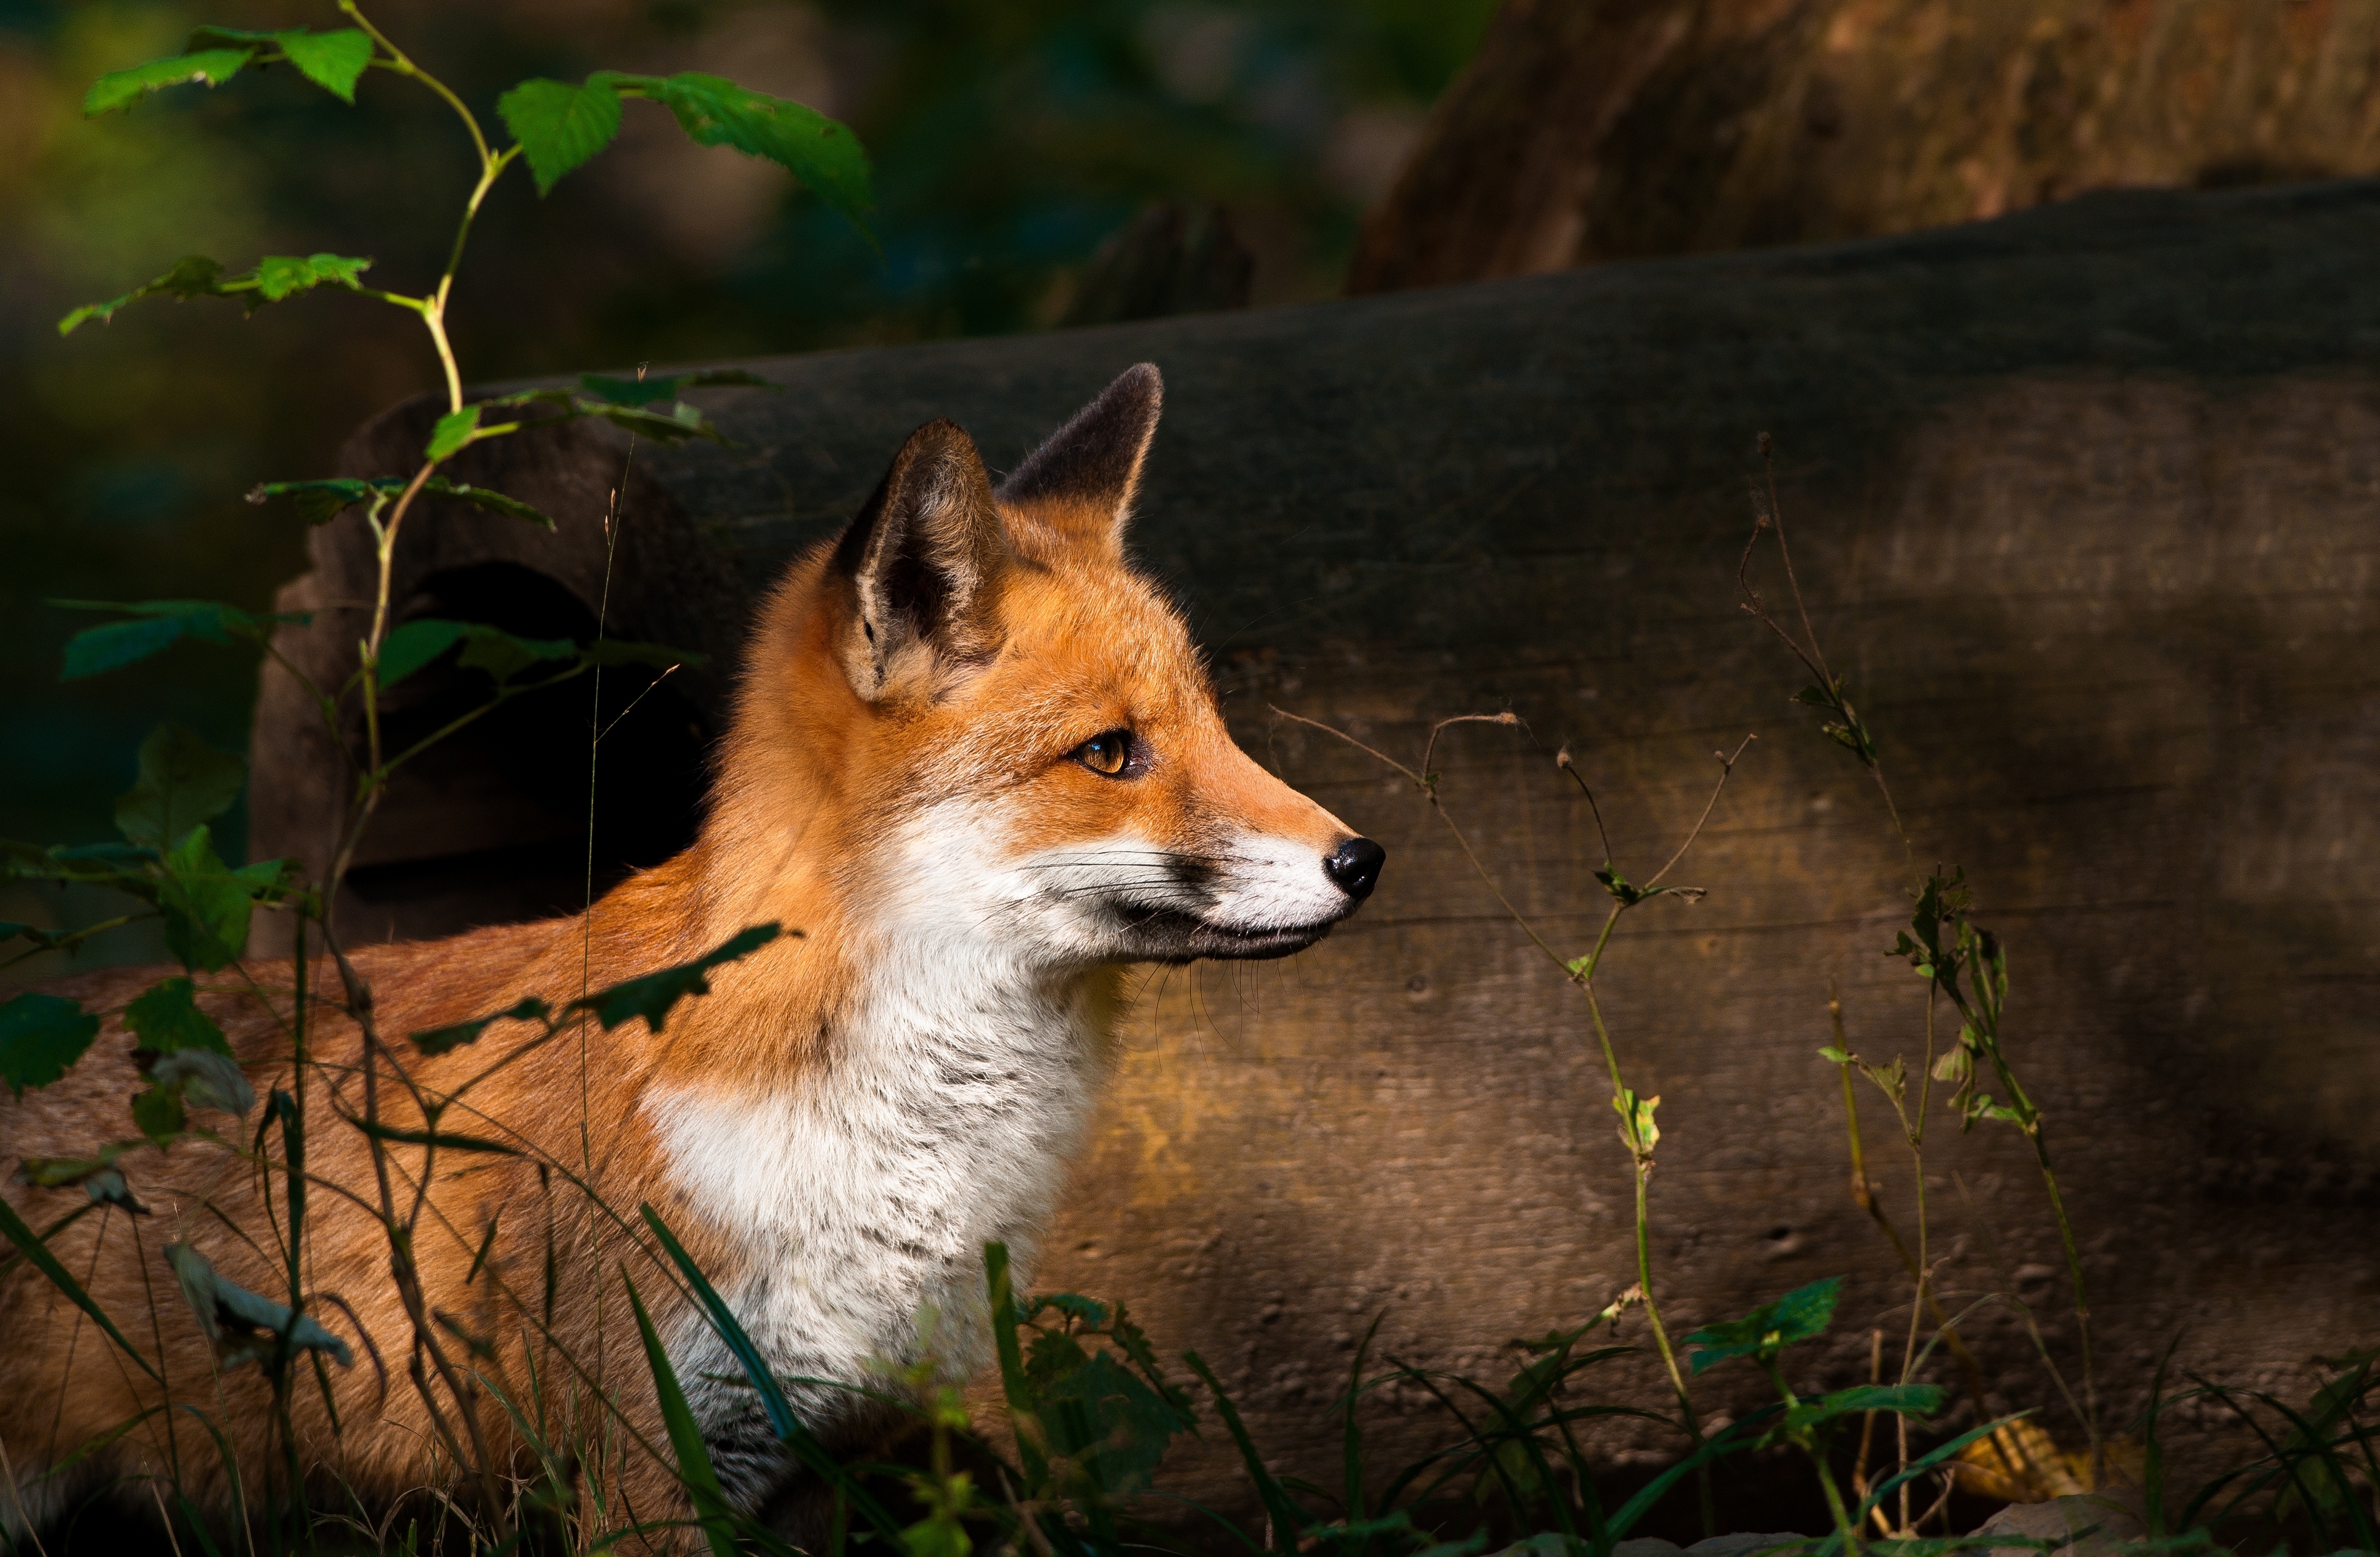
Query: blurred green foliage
point(1009, 136)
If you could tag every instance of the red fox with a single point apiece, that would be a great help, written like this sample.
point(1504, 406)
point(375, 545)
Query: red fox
point(977, 763)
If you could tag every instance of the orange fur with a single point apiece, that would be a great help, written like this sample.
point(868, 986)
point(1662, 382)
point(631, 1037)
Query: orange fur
point(820, 781)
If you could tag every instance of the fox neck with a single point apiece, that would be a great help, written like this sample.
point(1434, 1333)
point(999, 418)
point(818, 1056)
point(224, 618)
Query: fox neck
point(854, 1131)
point(855, 1200)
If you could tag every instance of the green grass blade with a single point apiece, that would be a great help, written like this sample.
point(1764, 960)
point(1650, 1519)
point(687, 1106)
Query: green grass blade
point(693, 1465)
point(724, 1321)
point(2314, 1444)
point(38, 1252)
point(1351, 1441)
point(1718, 1446)
point(1925, 1462)
point(1288, 1521)
point(789, 1428)
point(1022, 1411)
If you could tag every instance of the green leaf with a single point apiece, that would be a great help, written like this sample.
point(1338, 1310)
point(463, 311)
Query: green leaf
point(1906, 1400)
point(116, 865)
point(118, 87)
point(438, 1039)
point(10, 930)
point(159, 1115)
point(652, 996)
point(503, 656)
point(1113, 1427)
point(40, 1038)
point(204, 1078)
point(244, 1326)
point(683, 421)
point(694, 1467)
point(183, 782)
point(444, 1140)
point(205, 903)
point(332, 61)
point(120, 643)
point(1834, 1056)
point(1891, 1080)
point(167, 1019)
point(194, 276)
point(272, 278)
point(1089, 1312)
point(822, 153)
point(1801, 1313)
point(99, 1179)
point(453, 429)
point(559, 125)
point(283, 275)
point(1637, 1130)
point(636, 392)
point(38, 1255)
point(159, 624)
point(415, 644)
point(321, 502)
point(482, 497)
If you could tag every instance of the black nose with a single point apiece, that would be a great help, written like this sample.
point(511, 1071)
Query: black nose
point(1355, 866)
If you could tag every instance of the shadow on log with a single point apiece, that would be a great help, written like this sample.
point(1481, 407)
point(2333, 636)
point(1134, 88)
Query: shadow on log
point(2085, 500)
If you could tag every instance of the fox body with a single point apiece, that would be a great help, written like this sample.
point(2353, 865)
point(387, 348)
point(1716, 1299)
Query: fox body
point(977, 764)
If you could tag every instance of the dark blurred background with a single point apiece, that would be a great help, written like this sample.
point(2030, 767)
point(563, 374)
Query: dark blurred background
point(1038, 164)
point(1011, 141)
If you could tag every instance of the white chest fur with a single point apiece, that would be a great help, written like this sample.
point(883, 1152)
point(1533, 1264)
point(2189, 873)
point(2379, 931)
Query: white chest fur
point(863, 1196)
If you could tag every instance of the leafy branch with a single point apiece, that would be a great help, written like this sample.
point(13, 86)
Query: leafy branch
point(167, 862)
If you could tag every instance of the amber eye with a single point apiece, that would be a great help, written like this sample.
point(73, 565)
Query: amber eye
point(1107, 752)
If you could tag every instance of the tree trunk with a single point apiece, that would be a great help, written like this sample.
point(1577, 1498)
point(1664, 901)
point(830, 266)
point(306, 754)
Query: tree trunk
point(1633, 129)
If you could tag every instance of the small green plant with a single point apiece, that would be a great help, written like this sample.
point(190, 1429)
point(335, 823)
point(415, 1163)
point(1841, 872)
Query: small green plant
point(170, 868)
point(1761, 1338)
point(1943, 946)
point(1638, 1132)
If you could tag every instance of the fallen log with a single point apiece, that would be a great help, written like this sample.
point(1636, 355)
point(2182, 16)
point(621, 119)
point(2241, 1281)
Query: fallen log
point(2084, 503)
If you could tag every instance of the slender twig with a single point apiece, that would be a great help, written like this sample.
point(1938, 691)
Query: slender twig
point(1634, 1114)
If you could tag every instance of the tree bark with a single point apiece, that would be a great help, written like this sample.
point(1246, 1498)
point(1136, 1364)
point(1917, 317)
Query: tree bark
point(1587, 132)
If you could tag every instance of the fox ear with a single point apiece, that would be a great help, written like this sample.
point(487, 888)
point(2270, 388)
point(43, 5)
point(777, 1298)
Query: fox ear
point(922, 559)
point(1074, 492)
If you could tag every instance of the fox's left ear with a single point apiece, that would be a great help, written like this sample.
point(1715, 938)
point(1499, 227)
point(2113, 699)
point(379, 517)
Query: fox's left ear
point(1074, 492)
point(921, 563)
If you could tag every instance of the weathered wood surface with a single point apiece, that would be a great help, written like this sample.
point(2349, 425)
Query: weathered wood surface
point(2085, 501)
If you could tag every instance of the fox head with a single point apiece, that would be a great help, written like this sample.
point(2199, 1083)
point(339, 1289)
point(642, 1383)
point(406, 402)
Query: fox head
point(1001, 737)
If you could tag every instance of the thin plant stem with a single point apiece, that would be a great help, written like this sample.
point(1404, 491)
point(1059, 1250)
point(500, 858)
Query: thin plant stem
point(1582, 971)
point(1814, 1446)
point(1853, 735)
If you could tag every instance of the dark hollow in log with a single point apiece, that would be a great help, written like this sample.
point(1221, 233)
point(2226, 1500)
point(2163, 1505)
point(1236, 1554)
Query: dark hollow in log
point(2085, 504)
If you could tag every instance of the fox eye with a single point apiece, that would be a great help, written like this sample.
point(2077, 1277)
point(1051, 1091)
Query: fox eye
point(1108, 752)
